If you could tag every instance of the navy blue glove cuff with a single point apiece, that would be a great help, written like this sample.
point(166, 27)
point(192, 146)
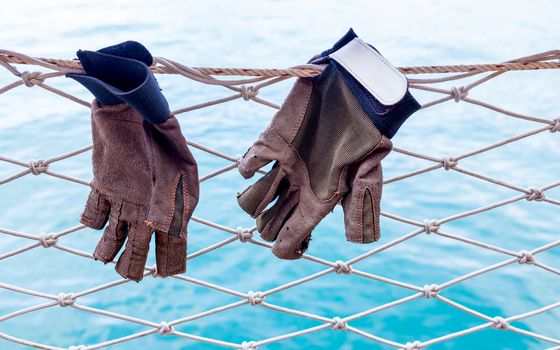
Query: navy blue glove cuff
point(130, 49)
point(101, 94)
point(114, 79)
point(387, 119)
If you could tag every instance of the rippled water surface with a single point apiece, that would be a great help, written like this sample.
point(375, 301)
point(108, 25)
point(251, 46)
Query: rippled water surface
point(35, 124)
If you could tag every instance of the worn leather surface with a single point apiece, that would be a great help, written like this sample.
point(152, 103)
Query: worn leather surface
point(145, 181)
point(326, 149)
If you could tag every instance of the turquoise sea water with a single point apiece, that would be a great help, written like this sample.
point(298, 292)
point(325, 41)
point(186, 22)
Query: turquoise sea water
point(35, 124)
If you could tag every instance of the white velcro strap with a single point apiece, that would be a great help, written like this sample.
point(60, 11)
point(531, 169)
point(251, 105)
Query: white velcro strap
point(373, 71)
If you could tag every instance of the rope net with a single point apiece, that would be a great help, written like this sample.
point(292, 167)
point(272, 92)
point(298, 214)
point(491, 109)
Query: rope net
point(248, 89)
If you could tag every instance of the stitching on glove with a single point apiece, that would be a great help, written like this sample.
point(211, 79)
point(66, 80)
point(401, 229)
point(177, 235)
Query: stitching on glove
point(164, 228)
point(110, 194)
point(279, 135)
point(360, 211)
point(173, 196)
point(301, 115)
point(373, 226)
point(281, 114)
point(270, 194)
point(186, 202)
point(301, 163)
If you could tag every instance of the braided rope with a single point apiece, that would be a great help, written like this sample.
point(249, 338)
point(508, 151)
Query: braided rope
point(248, 90)
point(539, 61)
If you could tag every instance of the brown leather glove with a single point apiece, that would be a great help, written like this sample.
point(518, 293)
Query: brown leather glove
point(328, 140)
point(325, 147)
point(145, 180)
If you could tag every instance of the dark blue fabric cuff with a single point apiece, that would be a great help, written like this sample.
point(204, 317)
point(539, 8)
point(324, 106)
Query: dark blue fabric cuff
point(387, 119)
point(127, 79)
point(120, 74)
point(130, 49)
point(101, 94)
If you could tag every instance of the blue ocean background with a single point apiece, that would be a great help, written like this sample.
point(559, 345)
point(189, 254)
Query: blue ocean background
point(35, 124)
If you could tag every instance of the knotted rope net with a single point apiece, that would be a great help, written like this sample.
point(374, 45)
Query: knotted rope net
point(248, 88)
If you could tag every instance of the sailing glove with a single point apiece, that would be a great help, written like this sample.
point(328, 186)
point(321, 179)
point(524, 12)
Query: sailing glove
point(145, 177)
point(327, 142)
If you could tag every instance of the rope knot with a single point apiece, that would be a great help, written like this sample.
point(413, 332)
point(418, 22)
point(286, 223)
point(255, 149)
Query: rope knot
point(238, 158)
point(535, 194)
point(459, 93)
point(342, 267)
point(449, 163)
point(165, 328)
point(430, 290)
point(248, 92)
point(38, 166)
point(526, 257)
point(556, 126)
point(31, 78)
point(255, 298)
point(154, 271)
point(500, 323)
point(338, 324)
point(48, 240)
point(430, 226)
point(249, 345)
point(244, 234)
point(416, 345)
point(65, 299)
